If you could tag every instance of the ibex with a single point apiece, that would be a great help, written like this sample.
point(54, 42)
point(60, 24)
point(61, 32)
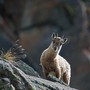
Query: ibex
point(52, 62)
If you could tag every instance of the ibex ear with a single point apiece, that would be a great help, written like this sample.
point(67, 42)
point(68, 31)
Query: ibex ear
point(53, 35)
point(65, 40)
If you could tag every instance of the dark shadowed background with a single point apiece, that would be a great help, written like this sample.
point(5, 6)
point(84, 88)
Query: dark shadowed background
point(33, 22)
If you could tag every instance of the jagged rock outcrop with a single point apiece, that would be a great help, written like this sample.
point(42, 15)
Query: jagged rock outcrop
point(19, 76)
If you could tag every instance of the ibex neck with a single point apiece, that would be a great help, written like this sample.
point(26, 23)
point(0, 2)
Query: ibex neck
point(51, 49)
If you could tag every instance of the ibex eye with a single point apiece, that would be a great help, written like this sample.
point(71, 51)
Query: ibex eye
point(60, 43)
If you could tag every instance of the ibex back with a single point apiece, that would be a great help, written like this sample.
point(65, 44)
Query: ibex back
point(52, 62)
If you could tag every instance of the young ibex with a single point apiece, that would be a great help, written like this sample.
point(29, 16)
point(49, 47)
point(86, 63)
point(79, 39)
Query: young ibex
point(52, 62)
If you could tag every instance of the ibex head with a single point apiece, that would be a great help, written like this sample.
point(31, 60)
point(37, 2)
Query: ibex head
point(57, 42)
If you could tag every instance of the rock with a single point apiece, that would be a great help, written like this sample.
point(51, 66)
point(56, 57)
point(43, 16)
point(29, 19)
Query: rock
point(13, 78)
point(26, 68)
point(5, 84)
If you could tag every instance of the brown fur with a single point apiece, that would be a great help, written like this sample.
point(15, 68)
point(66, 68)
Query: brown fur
point(51, 61)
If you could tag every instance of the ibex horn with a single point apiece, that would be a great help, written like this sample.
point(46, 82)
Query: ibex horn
point(57, 34)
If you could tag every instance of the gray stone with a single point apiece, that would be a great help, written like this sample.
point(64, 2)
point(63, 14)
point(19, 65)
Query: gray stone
point(17, 79)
